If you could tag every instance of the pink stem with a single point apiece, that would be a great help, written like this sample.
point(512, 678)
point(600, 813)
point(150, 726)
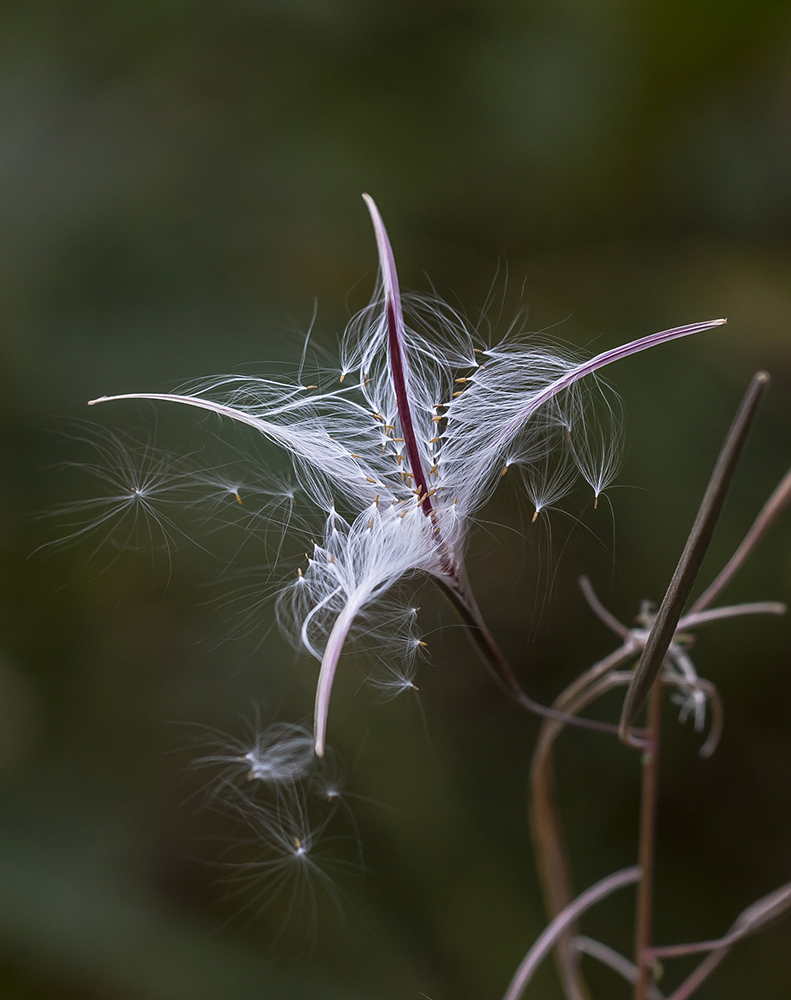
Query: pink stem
point(600, 361)
point(329, 664)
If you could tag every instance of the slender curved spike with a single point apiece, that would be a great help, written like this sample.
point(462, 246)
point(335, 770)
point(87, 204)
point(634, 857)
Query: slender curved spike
point(601, 361)
point(399, 364)
point(546, 940)
point(770, 512)
point(667, 618)
point(329, 664)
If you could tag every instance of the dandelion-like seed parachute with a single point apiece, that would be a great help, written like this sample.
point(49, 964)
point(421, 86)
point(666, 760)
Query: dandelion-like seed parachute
point(411, 441)
point(279, 755)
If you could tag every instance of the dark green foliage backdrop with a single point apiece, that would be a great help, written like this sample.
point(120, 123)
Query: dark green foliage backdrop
point(178, 182)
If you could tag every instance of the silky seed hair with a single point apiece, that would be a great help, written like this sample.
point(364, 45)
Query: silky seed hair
point(409, 440)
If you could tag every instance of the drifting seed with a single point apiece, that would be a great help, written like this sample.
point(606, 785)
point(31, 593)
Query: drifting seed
point(332, 558)
point(503, 472)
point(398, 439)
point(238, 498)
point(459, 380)
point(399, 459)
point(455, 394)
point(434, 470)
point(342, 377)
point(434, 440)
point(310, 387)
point(368, 479)
point(376, 500)
point(422, 644)
point(436, 420)
point(299, 573)
point(477, 350)
point(378, 416)
point(354, 456)
point(595, 502)
point(371, 524)
point(534, 518)
point(297, 841)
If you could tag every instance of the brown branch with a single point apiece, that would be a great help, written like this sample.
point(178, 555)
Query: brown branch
point(678, 591)
point(647, 844)
point(770, 512)
point(546, 825)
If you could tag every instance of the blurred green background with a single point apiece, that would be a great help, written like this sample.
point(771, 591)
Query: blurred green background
point(179, 181)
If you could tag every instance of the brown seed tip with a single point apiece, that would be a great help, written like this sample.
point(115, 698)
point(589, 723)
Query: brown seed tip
point(534, 518)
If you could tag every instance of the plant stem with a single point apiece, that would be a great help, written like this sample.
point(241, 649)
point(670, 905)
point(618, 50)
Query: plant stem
point(647, 846)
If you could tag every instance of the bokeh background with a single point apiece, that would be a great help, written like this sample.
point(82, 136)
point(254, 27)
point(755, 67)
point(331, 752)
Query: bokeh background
point(179, 183)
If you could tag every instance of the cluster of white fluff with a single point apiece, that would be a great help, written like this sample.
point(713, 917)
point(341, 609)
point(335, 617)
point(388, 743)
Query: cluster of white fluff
point(285, 798)
point(469, 410)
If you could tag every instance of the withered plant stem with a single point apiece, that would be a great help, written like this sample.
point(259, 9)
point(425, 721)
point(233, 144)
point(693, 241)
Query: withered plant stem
point(771, 510)
point(462, 599)
point(680, 587)
point(647, 845)
point(546, 824)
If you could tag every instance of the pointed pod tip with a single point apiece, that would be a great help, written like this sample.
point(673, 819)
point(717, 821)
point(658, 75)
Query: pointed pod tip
point(370, 205)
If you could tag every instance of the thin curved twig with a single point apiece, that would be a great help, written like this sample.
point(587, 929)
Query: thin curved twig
point(545, 941)
point(697, 618)
point(602, 613)
point(756, 916)
point(614, 960)
point(770, 512)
